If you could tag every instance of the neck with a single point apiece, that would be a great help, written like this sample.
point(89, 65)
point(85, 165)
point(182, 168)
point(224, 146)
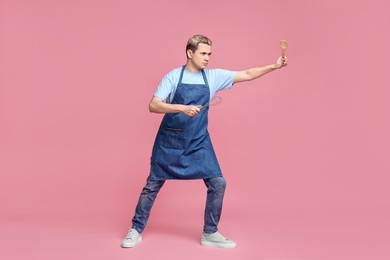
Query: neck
point(191, 68)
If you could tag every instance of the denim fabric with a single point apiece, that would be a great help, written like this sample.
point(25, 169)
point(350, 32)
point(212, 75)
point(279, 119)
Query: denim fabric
point(145, 203)
point(215, 193)
point(183, 148)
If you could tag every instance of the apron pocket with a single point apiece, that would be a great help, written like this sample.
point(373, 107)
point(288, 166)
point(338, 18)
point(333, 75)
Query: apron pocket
point(172, 137)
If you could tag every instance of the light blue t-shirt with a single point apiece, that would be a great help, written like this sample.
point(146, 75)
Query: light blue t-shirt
point(218, 79)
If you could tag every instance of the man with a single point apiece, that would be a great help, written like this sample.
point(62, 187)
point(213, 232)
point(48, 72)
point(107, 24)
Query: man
point(183, 149)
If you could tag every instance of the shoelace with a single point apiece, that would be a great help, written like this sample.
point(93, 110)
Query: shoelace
point(219, 236)
point(130, 234)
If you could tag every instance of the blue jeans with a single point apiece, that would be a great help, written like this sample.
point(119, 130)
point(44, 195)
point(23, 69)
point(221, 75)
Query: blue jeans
point(215, 192)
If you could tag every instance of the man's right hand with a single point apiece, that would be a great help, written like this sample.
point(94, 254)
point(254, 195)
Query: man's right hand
point(191, 110)
point(156, 105)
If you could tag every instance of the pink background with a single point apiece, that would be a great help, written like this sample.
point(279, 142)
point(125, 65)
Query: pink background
point(305, 150)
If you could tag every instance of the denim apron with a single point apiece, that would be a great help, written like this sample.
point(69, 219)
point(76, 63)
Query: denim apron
point(183, 149)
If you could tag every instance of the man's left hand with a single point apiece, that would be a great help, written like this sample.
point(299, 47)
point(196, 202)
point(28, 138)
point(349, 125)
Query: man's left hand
point(281, 62)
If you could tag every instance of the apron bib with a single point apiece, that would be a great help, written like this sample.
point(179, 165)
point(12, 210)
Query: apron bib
point(183, 149)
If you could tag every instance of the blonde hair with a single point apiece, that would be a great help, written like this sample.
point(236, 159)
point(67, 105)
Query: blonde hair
point(194, 41)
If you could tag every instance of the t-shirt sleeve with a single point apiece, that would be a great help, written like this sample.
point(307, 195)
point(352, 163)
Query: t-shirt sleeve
point(224, 79)
point(165, 88)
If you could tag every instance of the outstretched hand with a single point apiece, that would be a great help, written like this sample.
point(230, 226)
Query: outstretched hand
point(191, 110)
point(281, 62)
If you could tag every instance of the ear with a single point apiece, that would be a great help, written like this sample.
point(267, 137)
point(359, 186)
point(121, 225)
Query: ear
point(189, 53)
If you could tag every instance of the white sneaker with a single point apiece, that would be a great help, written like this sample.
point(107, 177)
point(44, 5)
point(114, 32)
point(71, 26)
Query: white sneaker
point(132, 238)
point(218, 240)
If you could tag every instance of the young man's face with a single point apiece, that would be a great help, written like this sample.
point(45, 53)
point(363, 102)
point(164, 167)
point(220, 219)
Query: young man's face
point(200, 58)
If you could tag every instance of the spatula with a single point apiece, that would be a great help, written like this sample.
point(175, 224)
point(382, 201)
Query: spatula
point(283, 45)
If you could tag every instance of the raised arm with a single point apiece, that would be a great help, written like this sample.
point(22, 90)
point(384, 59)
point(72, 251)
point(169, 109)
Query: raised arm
point(256, 72)
point(157, 105)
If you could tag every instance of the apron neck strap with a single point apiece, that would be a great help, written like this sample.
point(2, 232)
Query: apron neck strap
point(181, 73)
point(204, 77)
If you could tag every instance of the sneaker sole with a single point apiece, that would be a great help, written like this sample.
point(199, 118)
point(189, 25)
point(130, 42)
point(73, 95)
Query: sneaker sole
point(206, 243)
point(132, 244)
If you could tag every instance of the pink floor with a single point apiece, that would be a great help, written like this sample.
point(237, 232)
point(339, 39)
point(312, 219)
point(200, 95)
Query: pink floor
point(297, 233)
